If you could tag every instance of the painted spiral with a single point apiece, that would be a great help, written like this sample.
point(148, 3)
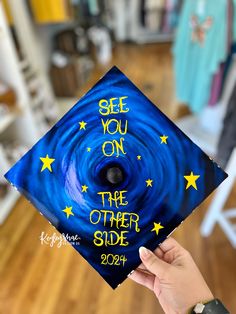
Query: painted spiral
point(167, 201)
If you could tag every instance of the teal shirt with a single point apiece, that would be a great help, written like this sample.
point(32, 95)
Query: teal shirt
point(234, 20)
point(195, 63)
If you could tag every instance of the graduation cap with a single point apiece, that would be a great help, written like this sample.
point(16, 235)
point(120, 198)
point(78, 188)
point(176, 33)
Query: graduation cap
point(116, 173)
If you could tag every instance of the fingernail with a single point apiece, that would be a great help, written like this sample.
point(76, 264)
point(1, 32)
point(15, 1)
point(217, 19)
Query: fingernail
point(144, 253)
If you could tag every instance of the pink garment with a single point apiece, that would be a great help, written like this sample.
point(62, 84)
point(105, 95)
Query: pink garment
point(216, 86)
point(169, 6)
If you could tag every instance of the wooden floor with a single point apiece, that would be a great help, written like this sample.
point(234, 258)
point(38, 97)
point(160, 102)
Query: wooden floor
point(149, 67)
point(38, 279)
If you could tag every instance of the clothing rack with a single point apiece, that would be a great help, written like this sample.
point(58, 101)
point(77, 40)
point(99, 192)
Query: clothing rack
point(207, 94)
point(132, 23)
point(212, 121)
point(208, 124)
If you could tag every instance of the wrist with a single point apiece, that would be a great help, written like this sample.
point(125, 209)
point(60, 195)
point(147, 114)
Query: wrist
point(202, 301)
point(202, 298)
point(213, 306)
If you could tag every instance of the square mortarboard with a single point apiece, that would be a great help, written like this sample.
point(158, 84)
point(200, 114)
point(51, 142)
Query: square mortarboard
point(117, 173)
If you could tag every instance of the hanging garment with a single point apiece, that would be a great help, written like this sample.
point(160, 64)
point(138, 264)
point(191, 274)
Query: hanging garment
point(227, 140)
point(82, 13)
point(154, 4)
point(230, 25)
point(216, 86)
point(171, 15)
point(218, 78)
point(231, 39)
point(228, 64)
point(200, 46)
point(142, 12)
point(153, 20)
point(234, 20)
point(93, 7)
point(153, 15)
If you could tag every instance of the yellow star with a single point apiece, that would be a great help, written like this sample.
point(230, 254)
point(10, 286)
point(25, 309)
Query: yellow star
point(82, 125)
point(149, 182)
point(46, 163)
point(157, 227)
point(163, 139)
point(139, 157)
point(84, 188)
point(191, 180)
point(88, 149)
point(68, 211)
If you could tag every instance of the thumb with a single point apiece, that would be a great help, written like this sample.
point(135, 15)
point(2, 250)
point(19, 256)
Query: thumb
point(154, 264)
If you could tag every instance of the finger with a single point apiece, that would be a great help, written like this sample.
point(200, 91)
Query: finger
point(142, 278)
point(141, 266)
point(153, 263)
point(170, 244)
point(174, 252)
point(158, 252)
point(144, 270)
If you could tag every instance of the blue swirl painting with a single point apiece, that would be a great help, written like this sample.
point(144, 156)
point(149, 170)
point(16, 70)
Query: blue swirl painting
point(116, 174)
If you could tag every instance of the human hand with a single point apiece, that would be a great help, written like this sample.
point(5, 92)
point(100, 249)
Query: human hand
point(173, 276)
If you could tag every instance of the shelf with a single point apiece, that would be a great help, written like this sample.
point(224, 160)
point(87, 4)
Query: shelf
point(33, 84)
point(29, 75)
point(23, 64)
point(5, 121)
point(38, 99)
point(22, 67)
point(7, 203)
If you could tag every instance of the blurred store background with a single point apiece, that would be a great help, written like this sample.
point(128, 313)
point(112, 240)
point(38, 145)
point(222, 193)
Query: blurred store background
point(181, 54)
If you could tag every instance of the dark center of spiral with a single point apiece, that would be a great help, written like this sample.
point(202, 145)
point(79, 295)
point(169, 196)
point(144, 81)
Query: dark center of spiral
point(114, 175)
